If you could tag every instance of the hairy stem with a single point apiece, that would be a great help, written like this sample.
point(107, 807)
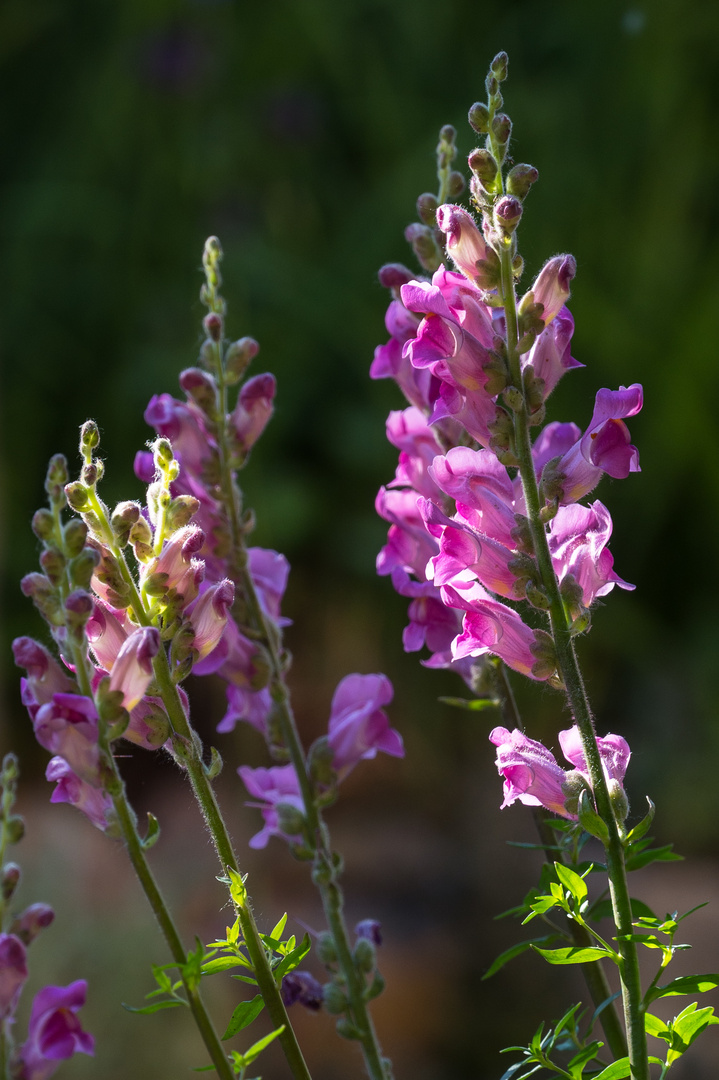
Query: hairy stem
point(571, 676)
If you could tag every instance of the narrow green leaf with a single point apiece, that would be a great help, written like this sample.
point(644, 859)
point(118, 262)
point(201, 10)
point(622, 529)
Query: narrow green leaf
point(155, 1007)
point(687, 984)
point(277, 931)
point(639, 830)
point(617, 1071)
point(244, 1014)
point(656, 1027)
point(245, 979)
point(573, 955)
point(257, 1048)
point(650, 855)
point(516, 950)
point(587, 1054)
point(294, 958)
point(222, 963)
point(471, 704)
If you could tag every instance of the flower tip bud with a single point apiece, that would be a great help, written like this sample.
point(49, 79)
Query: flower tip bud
point(478, 117)
point(500, 66)
point(427, 208)
point(508, 212)
point(483, 165)
point(43, 524)
point(618, 799)
point(213, 326)
point(89, 436)
point(394, 275)
point(520, 179)
point(57, 474)
point(9, 880)
point(502, 128)
point(448, 133)
point(213, 247)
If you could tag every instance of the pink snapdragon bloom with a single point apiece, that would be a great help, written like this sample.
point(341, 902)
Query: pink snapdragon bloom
point(183, 424)
point(33, 919)
point(54, 1031)
point(67, 726)
point(533, 776)
point(13, 973)
point(358, 726)
point(551, 287)
point(409, 431)
point(409, 545)
point(531, 773)
point(490, 627)
point(253, 410)
point(132, 670)
point(253, 707)
point(550, 357)
point(269, 571)
point(465, 244)
point(209, 616)
point(93, 802)
point(278, 784)
point(420, 387)
point(184, 572)
point(605, 446)
point(578, 540)
point(106, 633)
point(45, 677)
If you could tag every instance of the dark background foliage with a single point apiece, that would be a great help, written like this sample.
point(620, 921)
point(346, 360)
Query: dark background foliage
point(301, 132)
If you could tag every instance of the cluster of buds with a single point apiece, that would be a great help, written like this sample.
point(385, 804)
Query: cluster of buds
point(54, 1030)
point(460, 544)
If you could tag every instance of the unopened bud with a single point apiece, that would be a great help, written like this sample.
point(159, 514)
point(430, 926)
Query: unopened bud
point(162, 453)
point(14, 829)
point(75, 535)
point(448, 133)
point(77, 495)
point(123, 518)
point(427, 208)
point(500, 66)
point(394, 275)
point(455, 184)
point(479, 118)
point(484, 165)
point(424, 245)
point(334, 998)
point(34, 919)
point(520, 179)
point(212, 324)
point(364, 955)
point(90, 474)
point(53, 563)
point(326, 948)
point(573, 785)
point(618, 799)
point(43, 524)
point(181, 511)
point(202, 388)
point(319, 762)
point(507, 213)
point(9, 880)
point(83, 566)
point(502, 128)
point(89, 436)
point(290, 820)
point(239, 356)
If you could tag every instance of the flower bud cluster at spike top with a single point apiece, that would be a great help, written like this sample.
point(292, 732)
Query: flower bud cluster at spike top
point(459, 545)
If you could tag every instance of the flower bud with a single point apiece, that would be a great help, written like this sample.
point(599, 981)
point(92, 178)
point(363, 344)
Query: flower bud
point(123, 518)
point(33, 919)
point(57, 476)
point(53, 563)
point(424, 245)
point(43, 524)
point(75, 536)
point(572, 787)
point(455, 184)
point(302, 987)
point(9, 879)
point(618, 799)
point(209, 616)
point(83, 566)
point(394, 275)
point(479, 118)
point(369, 929)
point(162, 453)
point(14, 828)
point(132, 671)
point(335, 999)
point(290, 820)
point(89, 437)
point(500, 66)
point(507, 213)
point(502, 128)
point(551, 289)
point(484, 165)
point(520, 179)
point(212, 324)
point(427, 208)
point(364, 955)
point(202, 388)
point(78, 496)
point(181, 511)
point(239, 356)
point(326, 948)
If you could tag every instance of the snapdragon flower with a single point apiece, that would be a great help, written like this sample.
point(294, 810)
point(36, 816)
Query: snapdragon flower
point(358, 726)
point(54, 1031)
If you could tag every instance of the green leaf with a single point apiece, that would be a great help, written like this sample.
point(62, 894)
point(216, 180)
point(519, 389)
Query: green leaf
point(650, 855)
point(222, 963)
point(155, 1007)
point(640, 830)
point(571, 881)
point(573, 955)
point(245, 979)
point(238, 892)
point(244, 1014)
point(617, 1071)
point(277, 931)
point(656, 1027)
point(293, 958)
point(687, 1027)
point(471, 704)
point(576, 1065)
point(516, 950)
point(257, 1048)
point(686, 984)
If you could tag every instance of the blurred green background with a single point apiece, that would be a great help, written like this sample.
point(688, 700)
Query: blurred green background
point(301, 132)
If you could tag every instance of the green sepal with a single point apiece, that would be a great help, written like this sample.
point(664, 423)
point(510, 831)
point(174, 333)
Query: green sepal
point(574, 955)
point(153, 832)
point(685, 984)
point(590, 820)
point(643, 827)
point(244, 1014)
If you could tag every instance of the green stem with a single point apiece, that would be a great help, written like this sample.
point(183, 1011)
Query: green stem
point(569, 670)
point(316, 829)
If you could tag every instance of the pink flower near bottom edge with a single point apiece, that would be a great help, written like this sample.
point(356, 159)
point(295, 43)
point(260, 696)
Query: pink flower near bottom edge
point(54, 1031)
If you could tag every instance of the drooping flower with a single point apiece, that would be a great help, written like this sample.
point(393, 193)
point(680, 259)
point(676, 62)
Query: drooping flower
point(132, 671)
point(358, 725)
point(93, 802)
point(13, 972)
point(531, 772)
point(209, 616)
point(67, 726)
point(273, 786)
point(302, 987)
point(551, 287)
point(45, 677)
point(253, 410)
point(54, 1031)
